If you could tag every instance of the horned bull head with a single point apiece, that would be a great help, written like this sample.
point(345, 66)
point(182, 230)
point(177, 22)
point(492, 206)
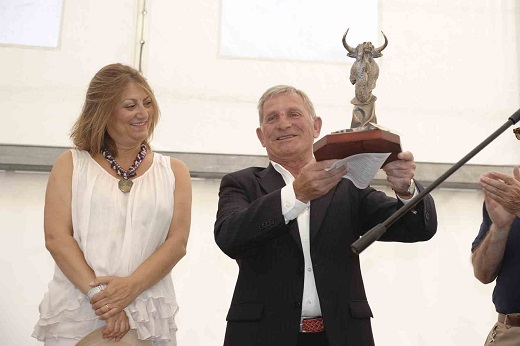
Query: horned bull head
point(365, 47)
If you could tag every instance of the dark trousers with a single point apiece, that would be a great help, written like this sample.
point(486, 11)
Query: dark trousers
point(312, 339)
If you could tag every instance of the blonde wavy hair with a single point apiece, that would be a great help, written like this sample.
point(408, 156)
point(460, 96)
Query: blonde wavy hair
point(103, 94)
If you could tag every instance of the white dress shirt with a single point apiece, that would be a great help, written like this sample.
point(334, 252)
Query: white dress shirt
point(294, 209)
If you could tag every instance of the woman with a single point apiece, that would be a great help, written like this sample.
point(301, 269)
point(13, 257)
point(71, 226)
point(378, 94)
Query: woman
point(116, 219)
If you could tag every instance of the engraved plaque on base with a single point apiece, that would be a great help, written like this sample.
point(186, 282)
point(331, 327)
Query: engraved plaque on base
point(369, 139)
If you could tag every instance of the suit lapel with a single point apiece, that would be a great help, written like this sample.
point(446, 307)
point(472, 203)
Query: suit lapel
point(270, 180)
point(319, 208)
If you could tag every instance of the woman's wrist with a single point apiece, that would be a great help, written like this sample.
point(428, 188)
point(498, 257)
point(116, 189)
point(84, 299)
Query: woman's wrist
point(95, 290)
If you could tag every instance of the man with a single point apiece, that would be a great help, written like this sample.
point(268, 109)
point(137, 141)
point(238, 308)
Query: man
point(290, 227)
point(496, 253)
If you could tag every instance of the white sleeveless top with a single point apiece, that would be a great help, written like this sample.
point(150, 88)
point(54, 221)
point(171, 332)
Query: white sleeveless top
point(117, 232)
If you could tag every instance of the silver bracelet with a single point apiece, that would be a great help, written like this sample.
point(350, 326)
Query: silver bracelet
point(95, 290)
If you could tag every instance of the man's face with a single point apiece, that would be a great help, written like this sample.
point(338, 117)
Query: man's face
point(287, 130)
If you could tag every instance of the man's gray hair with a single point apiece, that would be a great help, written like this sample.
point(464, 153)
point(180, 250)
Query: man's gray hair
point(281, 89)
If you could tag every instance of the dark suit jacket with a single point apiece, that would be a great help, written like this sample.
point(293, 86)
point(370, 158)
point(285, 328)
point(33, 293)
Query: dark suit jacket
point(266, 305)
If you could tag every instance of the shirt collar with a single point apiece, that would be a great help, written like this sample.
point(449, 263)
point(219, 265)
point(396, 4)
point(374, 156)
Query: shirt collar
point(286, 175)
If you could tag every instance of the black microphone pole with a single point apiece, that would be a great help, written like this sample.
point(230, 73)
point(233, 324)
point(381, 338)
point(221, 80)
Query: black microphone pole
point(376, 232)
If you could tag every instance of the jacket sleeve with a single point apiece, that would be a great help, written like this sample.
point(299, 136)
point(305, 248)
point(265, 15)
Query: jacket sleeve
point(418, 224)
point(246, 217)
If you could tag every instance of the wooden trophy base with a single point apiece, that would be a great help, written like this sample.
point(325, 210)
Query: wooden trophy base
point(343, 144)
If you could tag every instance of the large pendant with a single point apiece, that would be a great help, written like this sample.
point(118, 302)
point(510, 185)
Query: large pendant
point(125, 185)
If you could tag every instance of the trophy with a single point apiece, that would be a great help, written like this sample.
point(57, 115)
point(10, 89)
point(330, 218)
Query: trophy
point(364, 134)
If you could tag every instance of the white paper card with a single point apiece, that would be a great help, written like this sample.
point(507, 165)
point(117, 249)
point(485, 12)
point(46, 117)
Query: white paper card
point(362, 168)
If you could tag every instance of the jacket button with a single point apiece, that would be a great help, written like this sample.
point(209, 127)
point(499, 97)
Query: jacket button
point(297, 305)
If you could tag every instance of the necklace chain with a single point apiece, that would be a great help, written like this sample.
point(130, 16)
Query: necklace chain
point(120, 170)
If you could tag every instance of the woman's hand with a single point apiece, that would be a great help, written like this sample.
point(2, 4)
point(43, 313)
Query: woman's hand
point(117, 326)
point(117, 295)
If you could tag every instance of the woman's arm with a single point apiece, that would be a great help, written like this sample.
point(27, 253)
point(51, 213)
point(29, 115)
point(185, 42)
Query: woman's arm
point(58, 225)
point(59, 237)
point(121, 291)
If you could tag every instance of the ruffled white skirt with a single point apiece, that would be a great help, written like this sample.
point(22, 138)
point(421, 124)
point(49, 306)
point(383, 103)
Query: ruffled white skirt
point(65, 312)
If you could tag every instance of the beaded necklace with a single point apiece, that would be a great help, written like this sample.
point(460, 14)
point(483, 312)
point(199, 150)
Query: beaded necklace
point(124, 184)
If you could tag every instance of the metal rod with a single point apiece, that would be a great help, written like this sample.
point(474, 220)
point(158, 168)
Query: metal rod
point(376, 232)
point(142, 41)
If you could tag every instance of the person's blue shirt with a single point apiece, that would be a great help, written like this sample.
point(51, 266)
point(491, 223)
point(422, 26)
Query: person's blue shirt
point(506, 295)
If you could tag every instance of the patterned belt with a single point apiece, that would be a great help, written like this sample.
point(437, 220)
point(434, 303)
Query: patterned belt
point(510, 320)
point(312, 325)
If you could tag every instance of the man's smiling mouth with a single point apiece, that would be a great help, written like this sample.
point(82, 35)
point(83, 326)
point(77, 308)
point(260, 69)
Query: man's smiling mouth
point(285, 137)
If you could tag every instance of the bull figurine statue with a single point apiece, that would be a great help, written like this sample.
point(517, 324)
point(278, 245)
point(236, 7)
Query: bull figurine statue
point(363, 75)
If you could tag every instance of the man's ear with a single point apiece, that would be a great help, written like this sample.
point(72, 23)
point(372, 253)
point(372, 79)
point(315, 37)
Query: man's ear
point(317, 126)
point(260, 136)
